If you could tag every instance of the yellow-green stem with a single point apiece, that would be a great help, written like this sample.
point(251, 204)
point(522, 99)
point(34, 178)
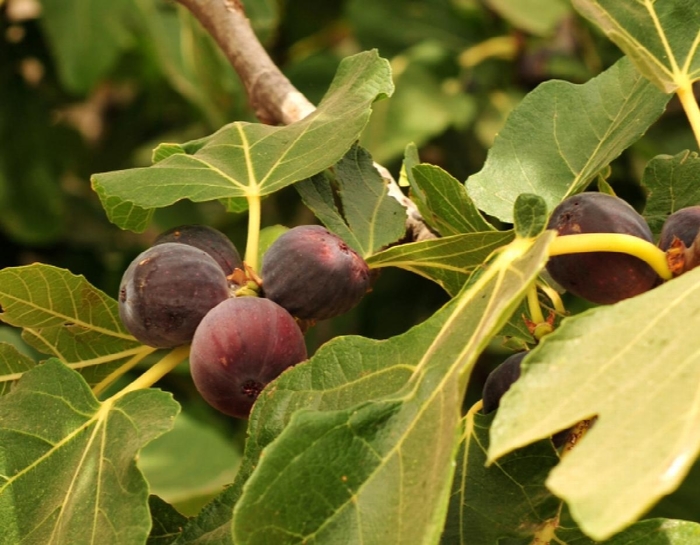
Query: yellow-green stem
point(122, 369)
point(533, 303)
point(690, 106)
point(505, 47)
point(554, 297)
point(157, 372)
point(613, 242)
point(254, 217)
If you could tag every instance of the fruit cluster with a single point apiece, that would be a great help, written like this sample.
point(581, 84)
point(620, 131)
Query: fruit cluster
point(604, 276)
point(186, 289)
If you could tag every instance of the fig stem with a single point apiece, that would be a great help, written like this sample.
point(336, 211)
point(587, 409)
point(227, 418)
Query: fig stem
point(554, 297)
point(167, 363)
point(533, 304)
point(122, 369)
point(253, 242)
point(690, 106)
point(613, 242)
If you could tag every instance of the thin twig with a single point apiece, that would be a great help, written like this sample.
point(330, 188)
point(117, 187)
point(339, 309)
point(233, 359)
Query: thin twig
point(272, 96)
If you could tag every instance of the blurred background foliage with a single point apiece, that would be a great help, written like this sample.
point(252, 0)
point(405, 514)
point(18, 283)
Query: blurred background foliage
point(89, 86)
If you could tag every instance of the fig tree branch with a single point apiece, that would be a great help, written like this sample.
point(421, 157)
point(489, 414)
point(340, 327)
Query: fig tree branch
point(272, 96)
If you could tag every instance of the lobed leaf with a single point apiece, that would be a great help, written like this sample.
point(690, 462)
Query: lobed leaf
point(252, 160)
point(212, 526)
point(372, 465)
point(561, 135)
point(167, 523)
point(662, 38)
point(12, 365)
point(445, 205)
point(622, 363)
point(64, 316)
point(365, 216)
point(646, 532)
point(67, 470)
point(448, 261)
point(530, 215)
point(671, 183)
point(507, 499)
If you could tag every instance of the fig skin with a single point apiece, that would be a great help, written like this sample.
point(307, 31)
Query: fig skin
point(683, 224)
point(239, 347)
point(500, 380)
point(167, 290)
point(600, 277)
point(208, 239)
point(313, 274)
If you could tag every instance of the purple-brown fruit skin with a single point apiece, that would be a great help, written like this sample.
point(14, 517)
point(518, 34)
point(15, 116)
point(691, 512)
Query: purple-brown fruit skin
point(500, 380)
point(683, 224)
point(239, 347)
point(166, 291)
point(600, 277)
point(206, 238)
point(313, 274)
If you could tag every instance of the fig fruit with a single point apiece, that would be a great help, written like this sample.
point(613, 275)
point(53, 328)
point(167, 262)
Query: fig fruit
point(600, 277)
point(500, 380)
point(166, 291)
point(313, 274)
point(683, 224)
point(208, 239)
point(239, 347)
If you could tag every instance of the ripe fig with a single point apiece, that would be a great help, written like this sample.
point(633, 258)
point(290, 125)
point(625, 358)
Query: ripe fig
point(600, 277)
point(313, 274)
point(500, 380)
point(239, 347)
point(166, 291)
point(206, 238)
point(683, 224)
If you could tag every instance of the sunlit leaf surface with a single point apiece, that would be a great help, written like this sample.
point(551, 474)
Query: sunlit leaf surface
point(561, 135)
point(662, 37)
point(626, 364)
point(67, 469)
point(64, 316)
point(371, 458)
point(359, 210)
point(447, 261)
point(250, 159)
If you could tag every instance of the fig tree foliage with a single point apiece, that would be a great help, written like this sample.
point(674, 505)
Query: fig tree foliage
point(106, 395)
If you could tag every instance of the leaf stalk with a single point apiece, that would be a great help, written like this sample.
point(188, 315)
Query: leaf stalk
point(122, 369)
point(253, 241)
point(690, 106)
point(554, 297)
point(171, 360)
point(613, 242)
point(533, 304)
